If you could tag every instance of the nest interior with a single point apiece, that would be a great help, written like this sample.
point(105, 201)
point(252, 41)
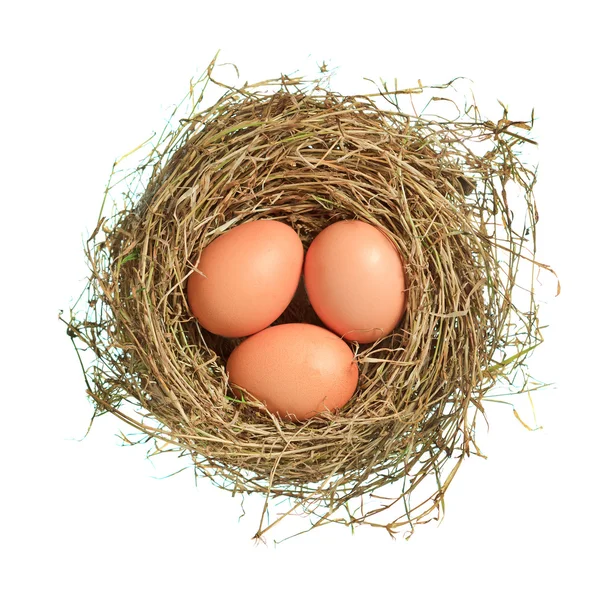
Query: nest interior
point(295, 151)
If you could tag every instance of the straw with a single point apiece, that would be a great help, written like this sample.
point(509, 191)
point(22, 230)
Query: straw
point(445, 191)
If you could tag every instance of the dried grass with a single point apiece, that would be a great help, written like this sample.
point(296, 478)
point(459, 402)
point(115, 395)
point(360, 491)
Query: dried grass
point(294, 150)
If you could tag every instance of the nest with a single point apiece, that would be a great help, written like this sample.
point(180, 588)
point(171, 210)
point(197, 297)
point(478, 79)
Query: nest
point(452, 194)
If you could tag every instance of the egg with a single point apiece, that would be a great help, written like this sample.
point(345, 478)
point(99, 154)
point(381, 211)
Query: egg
point(297, 370)
point(247, 277)
point(355, 280)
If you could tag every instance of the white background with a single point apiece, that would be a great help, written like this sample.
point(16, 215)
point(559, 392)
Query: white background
point(83, 83)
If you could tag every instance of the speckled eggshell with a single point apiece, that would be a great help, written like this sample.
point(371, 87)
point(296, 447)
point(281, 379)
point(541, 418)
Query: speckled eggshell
point(355, 280)
point(297, 370)
point(247, 278)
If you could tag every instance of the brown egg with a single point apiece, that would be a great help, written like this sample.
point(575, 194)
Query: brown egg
point(248, 277)
point(354, 278)
point(297, 370)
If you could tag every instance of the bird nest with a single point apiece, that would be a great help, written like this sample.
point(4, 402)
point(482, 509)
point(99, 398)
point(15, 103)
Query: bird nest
point(450, 191)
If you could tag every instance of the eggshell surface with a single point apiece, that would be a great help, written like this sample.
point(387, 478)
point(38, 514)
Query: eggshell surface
point(247, 278)
point(297, 370)
point(355, 280)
